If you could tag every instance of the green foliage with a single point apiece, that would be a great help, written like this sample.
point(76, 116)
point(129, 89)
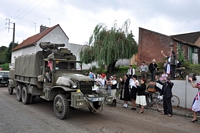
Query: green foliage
point(186, 64)
point(107, 46)
point(5, 66)
point(93, 68)
point(5, 53)
point(181, 56)
point(160, 65)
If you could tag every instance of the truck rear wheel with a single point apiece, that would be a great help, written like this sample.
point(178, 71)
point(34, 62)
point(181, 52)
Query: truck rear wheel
point(19, 93)
point(25, 96)
point(61, 106)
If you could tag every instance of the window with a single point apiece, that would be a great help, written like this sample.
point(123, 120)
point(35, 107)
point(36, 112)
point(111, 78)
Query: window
point(196, 50)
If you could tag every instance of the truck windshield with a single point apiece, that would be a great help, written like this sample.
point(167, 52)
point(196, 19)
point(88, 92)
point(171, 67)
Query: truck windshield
point(62, 65)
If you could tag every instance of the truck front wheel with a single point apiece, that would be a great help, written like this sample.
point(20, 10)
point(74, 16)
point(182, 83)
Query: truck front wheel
point(19, 93)
point(10, 89)
point(25, 96)
point(61, 106)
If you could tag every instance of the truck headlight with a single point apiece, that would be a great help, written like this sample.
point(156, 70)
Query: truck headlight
point(74, 86)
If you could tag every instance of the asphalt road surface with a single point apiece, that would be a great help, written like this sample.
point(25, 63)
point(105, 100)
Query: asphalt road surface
point(39, 118)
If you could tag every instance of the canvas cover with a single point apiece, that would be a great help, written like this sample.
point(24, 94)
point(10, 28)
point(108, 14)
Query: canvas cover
point(29, 65)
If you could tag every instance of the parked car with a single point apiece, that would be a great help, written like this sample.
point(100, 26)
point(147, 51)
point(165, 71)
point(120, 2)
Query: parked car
point(4, 76)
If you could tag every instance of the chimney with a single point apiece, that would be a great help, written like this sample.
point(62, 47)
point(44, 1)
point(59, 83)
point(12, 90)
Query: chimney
point(43, 28)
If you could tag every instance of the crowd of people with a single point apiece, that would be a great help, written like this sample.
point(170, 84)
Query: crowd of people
point(134, 90)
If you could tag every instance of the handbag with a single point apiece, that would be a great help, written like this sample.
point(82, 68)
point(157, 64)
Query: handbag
point(152, 87)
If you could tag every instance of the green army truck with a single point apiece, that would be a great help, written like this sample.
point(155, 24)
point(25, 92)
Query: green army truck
point(54, 74)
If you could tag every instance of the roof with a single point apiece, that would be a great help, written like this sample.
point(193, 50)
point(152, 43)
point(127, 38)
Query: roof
point(33, 39)
point(188, 38)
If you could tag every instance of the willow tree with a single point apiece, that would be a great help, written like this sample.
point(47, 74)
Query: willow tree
point(107, 46)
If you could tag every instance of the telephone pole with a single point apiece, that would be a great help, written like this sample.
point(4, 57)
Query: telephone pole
point(8, 27)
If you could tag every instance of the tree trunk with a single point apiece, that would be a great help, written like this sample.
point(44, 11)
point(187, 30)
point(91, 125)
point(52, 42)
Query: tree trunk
point(111, 67)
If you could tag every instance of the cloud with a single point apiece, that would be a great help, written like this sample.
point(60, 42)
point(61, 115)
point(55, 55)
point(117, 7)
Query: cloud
point(78, 18)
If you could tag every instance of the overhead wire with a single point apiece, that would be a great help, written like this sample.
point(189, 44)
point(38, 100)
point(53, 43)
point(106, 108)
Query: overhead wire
point(25, 9)
point(30, 11)
point(19, 9)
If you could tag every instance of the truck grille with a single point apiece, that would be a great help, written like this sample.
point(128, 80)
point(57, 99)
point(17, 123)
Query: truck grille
point(86, 87)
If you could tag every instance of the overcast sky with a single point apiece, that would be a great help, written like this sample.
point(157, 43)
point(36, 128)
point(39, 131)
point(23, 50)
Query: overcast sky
point(79, 17)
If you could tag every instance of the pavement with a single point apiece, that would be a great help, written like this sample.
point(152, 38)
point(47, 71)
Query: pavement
point(179, 111)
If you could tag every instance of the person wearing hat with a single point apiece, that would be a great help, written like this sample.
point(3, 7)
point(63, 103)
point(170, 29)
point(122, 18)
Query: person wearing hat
point(153, 68)
point(167, 95)
point(131, 71)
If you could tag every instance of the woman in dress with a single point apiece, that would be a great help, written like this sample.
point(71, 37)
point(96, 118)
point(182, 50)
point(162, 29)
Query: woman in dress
point(125, 90)
point(141, 98)
point(133, 81)
point(196, 102)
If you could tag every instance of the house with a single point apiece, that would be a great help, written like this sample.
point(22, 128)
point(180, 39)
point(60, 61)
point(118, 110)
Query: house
point(151, 43)
point(54, 34)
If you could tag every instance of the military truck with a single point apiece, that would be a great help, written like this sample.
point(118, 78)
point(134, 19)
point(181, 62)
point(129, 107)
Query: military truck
point(54, 74)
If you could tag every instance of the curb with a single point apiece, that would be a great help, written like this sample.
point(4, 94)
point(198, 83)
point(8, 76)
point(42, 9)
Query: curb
point(154, 109)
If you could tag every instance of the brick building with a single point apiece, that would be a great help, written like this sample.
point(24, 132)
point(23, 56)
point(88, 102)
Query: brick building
point(151, 43)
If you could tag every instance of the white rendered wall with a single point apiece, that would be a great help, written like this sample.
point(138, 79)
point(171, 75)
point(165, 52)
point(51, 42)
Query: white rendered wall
point(185, 92)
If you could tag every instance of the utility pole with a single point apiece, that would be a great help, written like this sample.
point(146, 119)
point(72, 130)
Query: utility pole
point(8, 27)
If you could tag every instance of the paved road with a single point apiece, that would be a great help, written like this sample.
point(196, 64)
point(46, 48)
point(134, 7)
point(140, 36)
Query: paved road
point(39, 118)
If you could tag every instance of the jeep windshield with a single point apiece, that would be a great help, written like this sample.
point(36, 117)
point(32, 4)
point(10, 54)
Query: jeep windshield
point(68, 65)
point(4, 74)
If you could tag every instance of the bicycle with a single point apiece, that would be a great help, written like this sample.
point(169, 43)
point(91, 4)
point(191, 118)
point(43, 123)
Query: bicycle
point(175, 101)
point(156, 98)
point(180, 73)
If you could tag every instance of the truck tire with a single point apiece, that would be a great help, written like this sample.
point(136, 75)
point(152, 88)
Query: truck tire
point(10, 90)
point(19, 93)
point(61, 106)
point(25, 96)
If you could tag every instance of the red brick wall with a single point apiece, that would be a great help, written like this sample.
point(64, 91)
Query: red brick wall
point(150, 45)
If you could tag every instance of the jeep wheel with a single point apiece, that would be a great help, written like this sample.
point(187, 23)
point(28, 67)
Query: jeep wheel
point(61, 106)
point(10, 90)
point(25, 95)
point(19, 93)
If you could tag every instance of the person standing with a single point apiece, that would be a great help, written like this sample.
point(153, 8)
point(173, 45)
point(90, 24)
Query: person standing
point(113, 90)
point(133, 82)
point(144, 70)
point(196, 102)
point(109, 85)
point(125, 90)
point(167, 95)
point(131, 71)
point(141, 98)
point(171, 63)
point(153, 68)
